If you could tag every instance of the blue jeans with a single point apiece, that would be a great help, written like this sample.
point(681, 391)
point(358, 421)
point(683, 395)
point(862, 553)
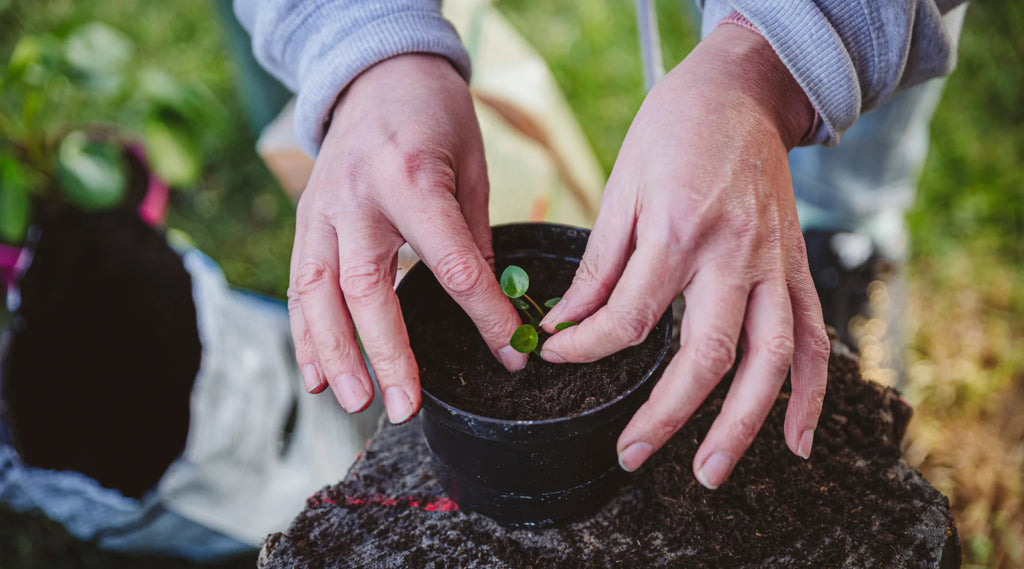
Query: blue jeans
point(868, 181)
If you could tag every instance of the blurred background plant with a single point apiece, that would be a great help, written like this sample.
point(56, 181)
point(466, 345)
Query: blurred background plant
point(71, 103)
point(966, 301)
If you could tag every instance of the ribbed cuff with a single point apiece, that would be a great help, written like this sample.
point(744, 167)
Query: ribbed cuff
point(806, 40)
point(812, 50)
point(334, 68)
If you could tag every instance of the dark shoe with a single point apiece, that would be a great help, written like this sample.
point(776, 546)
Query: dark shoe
point(862, 295)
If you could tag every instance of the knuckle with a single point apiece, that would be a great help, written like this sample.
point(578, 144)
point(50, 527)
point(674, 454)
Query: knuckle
point(458, 272)
point(819, 346)
point(294, 304)
point(588, 275)
point(816, 399)
point(311, 276)
point(632, 325)
point(387, 365)
point(779, 349)
point(361, 281)
point(744, 429)
point(335, 355)
point(717, 352)
point(423, 165)
point(664, 426)
point(304, 348)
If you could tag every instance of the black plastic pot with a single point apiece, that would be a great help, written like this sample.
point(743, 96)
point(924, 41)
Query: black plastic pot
point(530, 473)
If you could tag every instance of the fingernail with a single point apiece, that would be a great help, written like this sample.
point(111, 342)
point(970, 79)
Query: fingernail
point(806, 440)
point(553, 313)
point(351, 393)
point(511, 359)
point(715, 469)
point(398, 404)
point(311, 377)
point(551, 356)
point(634, 456)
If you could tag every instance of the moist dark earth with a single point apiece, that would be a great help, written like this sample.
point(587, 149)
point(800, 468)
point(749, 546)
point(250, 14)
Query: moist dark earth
point(854, 504)
point(456, 366)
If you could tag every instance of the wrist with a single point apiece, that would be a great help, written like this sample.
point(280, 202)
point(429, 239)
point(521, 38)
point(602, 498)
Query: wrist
point(752, 67)
point(398, 74)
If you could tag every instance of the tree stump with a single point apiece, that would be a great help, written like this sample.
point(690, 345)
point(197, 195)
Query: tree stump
point(854, 504)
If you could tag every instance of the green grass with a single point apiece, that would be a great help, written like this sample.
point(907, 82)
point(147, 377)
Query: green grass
point(237, 214)
point(967, 226)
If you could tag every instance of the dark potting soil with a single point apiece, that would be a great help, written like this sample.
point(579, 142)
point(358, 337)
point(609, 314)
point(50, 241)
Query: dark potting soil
point(855, 504)
point(103, 352)
point(457, 367)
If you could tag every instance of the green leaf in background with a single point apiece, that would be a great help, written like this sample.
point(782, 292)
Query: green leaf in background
point(515, 282)
point(551, 302)
point(520, 304)
point(14, 201)
point(172, 149)
point(162, 92)
point(91, 172)
point(563, 325)
point(35, 59)
point(97, 55)
point(524, 339)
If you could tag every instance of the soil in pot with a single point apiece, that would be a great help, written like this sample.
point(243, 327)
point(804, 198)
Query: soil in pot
point(457, 367)
point(104, 351)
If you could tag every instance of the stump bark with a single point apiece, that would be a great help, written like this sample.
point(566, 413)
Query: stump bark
point(854, 504)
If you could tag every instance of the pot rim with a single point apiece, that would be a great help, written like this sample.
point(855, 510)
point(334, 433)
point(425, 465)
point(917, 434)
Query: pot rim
point(651, 370)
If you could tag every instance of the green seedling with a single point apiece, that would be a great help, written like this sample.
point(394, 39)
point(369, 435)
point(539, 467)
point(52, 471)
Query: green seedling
point(514, 283)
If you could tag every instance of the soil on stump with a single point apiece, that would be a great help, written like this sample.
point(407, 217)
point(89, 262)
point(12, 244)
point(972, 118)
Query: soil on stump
point(854, 504)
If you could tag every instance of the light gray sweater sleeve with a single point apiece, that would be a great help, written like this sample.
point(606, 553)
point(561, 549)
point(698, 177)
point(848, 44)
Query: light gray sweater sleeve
point(850, 56)
point(316, 47)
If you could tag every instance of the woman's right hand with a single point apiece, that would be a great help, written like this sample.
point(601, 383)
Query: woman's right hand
point(402, 161)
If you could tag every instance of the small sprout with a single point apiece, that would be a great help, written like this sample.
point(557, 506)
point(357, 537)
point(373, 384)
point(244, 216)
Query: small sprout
point(563, 325)
point(514, 281)
point(524, 339)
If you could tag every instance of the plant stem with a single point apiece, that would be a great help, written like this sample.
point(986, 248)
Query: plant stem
point(540, 311)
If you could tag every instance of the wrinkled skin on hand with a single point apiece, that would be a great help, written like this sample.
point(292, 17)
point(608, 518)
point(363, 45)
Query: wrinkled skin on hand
point(700, 201)
point(402, 161)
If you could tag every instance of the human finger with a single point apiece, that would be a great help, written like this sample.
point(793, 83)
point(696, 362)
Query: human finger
point(473, 195)
point(368, 254)
point(305, 350)
point(645, 289)
point(438, 232)
point(768, 341)
point(327, 318)
point(710, 330)
point(810, 365)
point(603, 261)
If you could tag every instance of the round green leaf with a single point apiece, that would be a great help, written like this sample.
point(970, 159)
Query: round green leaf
point(514, 281)
point(97, 55)
point(563, 325)
point(162, 92)
point(524, 339)
point(14, 201)
point(172, 149)
point(91, 172)
point(551, 302)
point(35, 59)
point(520, 304)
